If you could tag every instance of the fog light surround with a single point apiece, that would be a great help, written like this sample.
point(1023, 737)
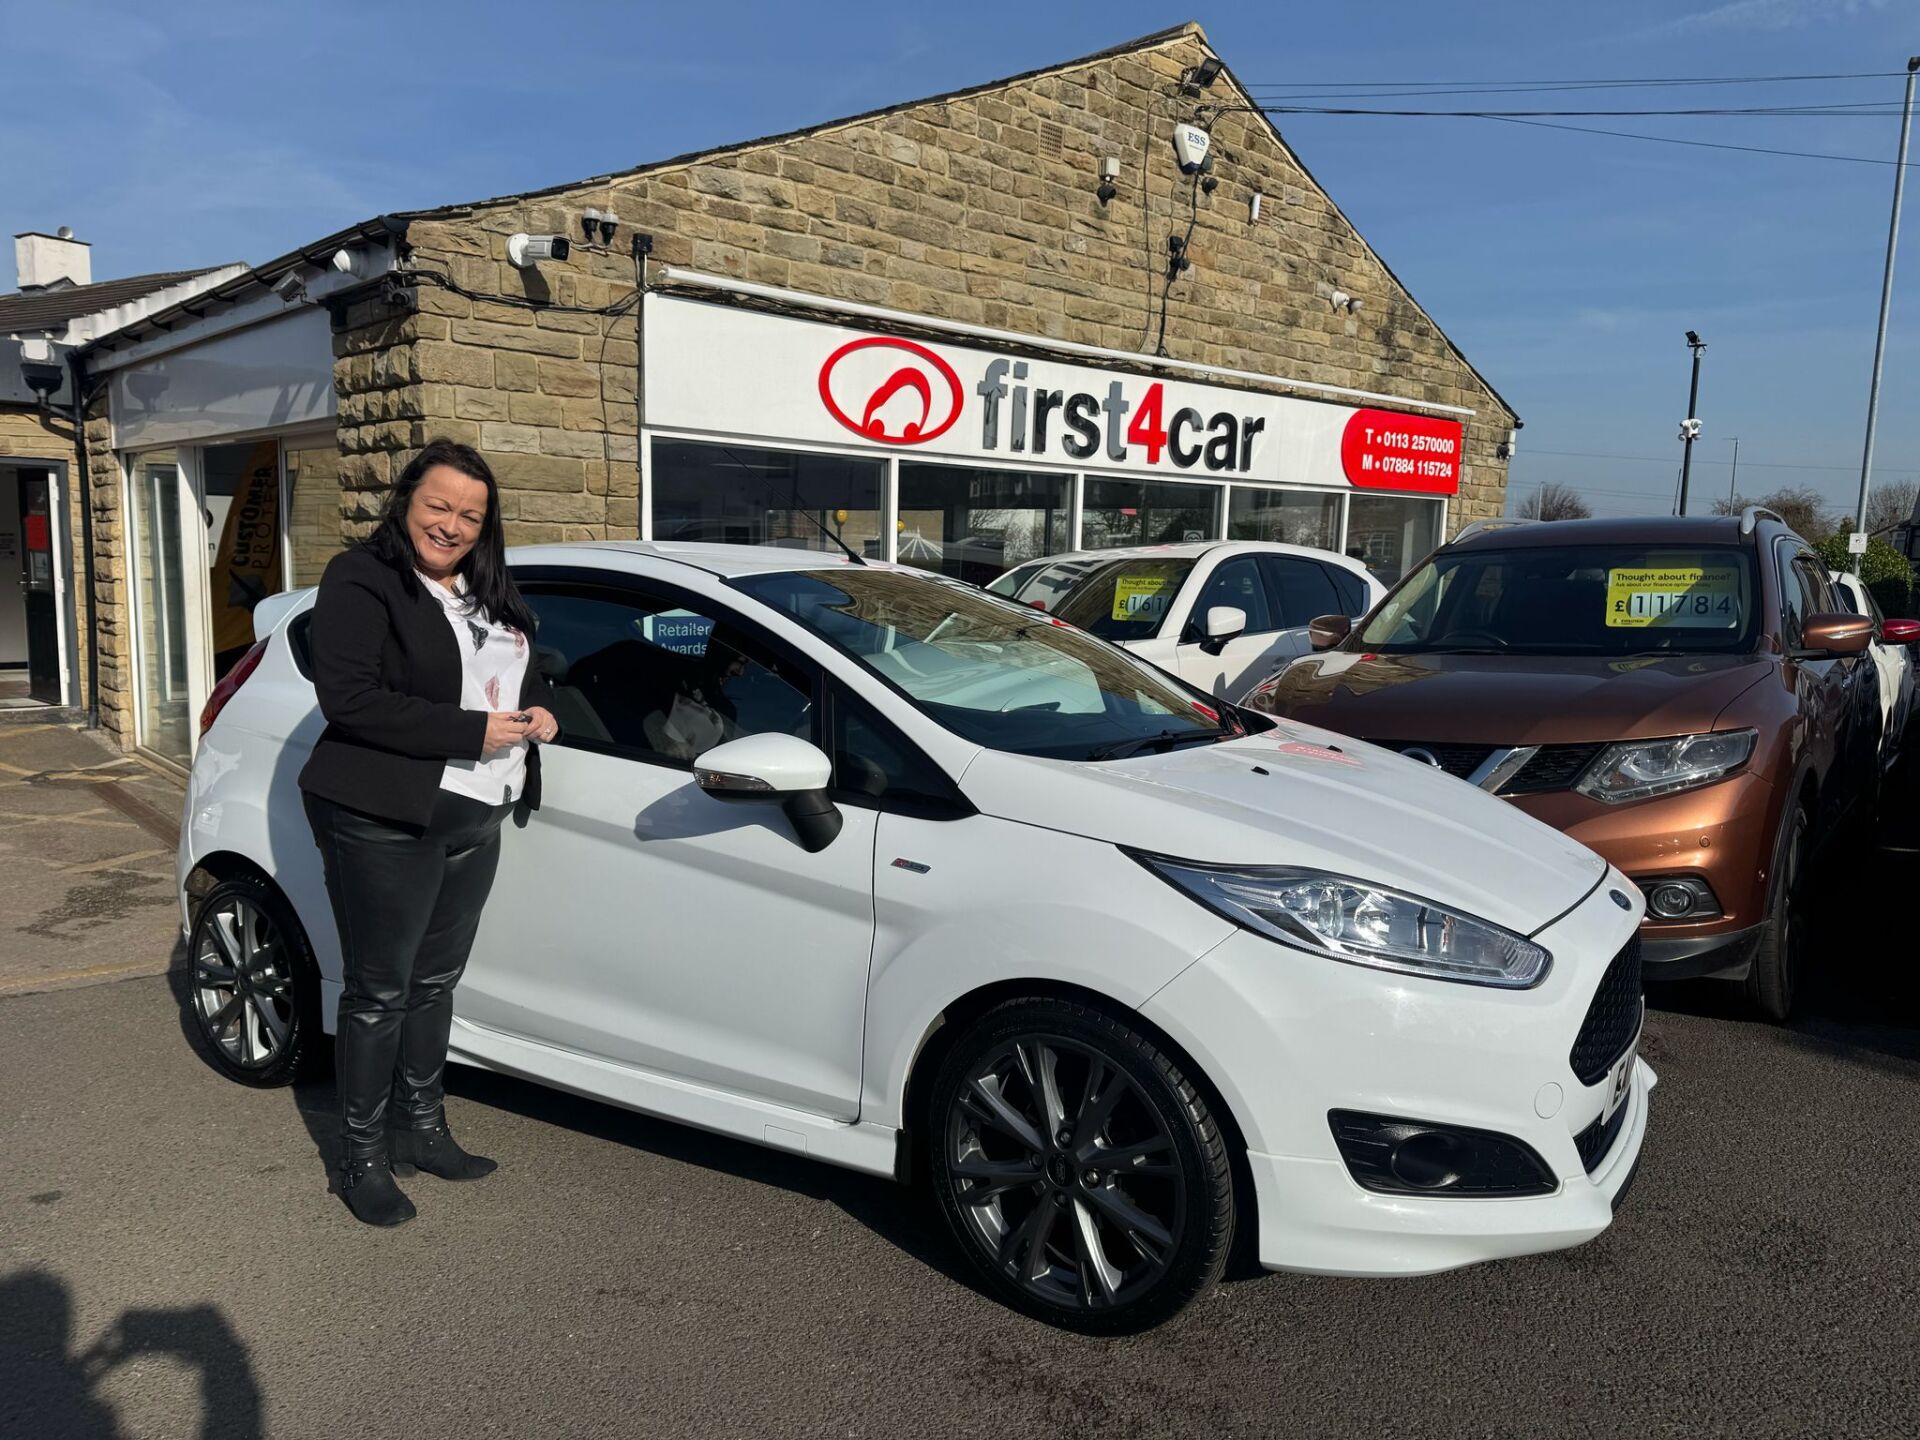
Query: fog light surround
point(1395, 1156)
point(1679, 898)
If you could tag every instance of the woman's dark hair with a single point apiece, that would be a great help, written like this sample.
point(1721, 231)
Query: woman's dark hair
point(489, 582)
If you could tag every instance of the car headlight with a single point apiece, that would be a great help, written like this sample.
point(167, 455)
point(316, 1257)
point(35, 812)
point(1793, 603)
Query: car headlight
point(1636, 769)
point(1359, 922)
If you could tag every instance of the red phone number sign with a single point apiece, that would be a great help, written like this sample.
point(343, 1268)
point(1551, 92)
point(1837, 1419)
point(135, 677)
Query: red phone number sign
point(1386, 450)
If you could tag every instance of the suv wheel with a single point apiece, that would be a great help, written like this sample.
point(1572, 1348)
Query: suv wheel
point(1775, 975)
point(1078, 1168)
point(253, 989)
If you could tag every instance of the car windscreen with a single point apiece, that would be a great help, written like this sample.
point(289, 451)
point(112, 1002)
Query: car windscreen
point(991, 670)
point(1572, 600)
point(1116, 599)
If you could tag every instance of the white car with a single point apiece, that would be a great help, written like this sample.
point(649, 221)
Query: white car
point(1222, 615)
point(1892, 651)
point(873, 866)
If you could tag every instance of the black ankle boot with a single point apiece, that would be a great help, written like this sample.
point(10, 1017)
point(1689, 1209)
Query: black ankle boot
point(367, 1185)
point(438, 1153)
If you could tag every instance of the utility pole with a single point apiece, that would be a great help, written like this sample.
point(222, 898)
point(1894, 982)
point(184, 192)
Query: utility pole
point(1733, 480)
point(1886, 302)
point(1690, 427)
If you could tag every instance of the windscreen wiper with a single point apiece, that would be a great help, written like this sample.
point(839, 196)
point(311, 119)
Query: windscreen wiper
point(1121, 749)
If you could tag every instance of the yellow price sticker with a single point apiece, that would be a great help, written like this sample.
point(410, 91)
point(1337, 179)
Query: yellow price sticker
point(1693, 597)
point(1142, 597)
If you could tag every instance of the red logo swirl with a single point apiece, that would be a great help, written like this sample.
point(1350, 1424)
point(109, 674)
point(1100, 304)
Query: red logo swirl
point(918, 373)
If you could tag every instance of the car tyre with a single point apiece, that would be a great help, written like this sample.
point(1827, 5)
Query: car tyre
point(1078, 1167)
point(253, 988)
point(1774, 978)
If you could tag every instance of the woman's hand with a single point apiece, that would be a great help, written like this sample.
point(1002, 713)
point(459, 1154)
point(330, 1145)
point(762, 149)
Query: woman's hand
point(542, 727)
point(507, 728)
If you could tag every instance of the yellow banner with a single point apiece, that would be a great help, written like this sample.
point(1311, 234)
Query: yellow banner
point(1689, 596)
point(246, 568)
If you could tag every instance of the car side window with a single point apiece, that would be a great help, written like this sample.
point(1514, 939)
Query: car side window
point(1237, 583)
point(1351, 589)
point(649, 677)
point(1816, 590)
point(1792, 602)
point(873, 763)
point(1300, 589)
point(1845, 595)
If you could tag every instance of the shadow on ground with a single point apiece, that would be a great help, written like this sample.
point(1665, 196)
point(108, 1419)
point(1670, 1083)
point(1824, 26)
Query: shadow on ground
point(49, 1387)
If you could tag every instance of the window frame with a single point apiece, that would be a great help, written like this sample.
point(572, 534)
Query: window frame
point(1192, 630)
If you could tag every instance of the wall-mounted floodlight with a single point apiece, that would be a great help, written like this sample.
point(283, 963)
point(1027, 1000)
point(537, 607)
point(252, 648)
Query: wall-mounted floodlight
point(525, 251)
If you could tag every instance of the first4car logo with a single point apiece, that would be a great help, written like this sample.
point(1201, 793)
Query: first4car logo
point(902, 393)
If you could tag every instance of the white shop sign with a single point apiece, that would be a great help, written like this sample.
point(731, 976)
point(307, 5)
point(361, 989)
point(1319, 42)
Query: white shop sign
point(732, 371)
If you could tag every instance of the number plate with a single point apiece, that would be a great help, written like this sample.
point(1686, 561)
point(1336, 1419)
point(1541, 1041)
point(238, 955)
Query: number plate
point(1620, 1081)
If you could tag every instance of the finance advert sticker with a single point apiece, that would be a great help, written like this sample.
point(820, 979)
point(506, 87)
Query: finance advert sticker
point(1142, 597)
point(1683, 596)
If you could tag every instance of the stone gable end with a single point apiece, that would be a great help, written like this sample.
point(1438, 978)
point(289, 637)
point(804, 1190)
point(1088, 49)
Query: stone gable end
point(977, 208)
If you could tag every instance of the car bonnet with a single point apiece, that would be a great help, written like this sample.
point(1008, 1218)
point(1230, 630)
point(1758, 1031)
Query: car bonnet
point(1295, 795)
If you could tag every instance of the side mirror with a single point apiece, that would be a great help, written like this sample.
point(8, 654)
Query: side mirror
point(1835, 634)
point(1899, 632)
point(1223, 623)
point(782, 769)
point(1326, 631)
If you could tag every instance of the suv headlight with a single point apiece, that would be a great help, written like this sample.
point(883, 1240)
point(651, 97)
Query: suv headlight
point(1635, 769)
point(1359, 922)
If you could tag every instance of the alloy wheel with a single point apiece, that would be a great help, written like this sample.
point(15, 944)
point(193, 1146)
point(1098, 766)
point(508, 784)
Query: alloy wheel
point(242, 979)
point(1065, 1173)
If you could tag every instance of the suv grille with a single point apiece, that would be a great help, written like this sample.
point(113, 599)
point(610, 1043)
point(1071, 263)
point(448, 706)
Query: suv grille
point(1553, 767)
point(1459, 761)
point(1613, 1019)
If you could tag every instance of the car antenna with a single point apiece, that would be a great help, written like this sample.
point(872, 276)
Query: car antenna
point(807, 510)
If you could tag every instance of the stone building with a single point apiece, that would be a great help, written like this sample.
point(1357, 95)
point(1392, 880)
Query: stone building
point(959, 332)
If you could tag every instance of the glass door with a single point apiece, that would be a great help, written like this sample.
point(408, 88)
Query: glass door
point(167, 556)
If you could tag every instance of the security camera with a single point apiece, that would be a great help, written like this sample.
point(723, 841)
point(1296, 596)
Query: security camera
point(349, 262)
point(290, 287)
point(1190, 146)
point(525, 251)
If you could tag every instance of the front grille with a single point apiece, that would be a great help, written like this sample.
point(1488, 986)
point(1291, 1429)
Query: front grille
point(1595, 1142)
point(1613, 1019)
point(1554, 767)
point(1459, 761)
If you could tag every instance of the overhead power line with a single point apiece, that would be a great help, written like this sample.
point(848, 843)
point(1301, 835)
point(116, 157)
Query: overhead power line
point(1364, 89)
point(1847, 110)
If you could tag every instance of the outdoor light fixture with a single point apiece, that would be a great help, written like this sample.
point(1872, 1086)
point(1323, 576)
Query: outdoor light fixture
point(349, 262)
point(1109, 172)
point(290, 287)
point(42, 377)
point(525, 252)
point(597, 224)
point(1202, 76)
point(609, 222)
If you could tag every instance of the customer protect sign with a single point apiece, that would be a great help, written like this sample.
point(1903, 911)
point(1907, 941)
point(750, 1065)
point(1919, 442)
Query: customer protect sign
point(731, 371)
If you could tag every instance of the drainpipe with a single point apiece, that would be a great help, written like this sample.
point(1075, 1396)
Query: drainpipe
point(76, 378)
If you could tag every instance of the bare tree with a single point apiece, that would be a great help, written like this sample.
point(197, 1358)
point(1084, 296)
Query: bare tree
point(1890, 505)
point(1554, 501)
point(1804, 510)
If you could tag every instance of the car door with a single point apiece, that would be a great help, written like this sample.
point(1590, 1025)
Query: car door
point(1829, 695)
point(1228, 670)
point(638, 919)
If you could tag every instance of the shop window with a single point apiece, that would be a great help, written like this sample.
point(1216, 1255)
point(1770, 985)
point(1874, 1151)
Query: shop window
point(1390, 534)
point(241, 507)
point(744, 495)
point(977, 524)
point(313, 510)
point(1147, 512)
point(1286, 517)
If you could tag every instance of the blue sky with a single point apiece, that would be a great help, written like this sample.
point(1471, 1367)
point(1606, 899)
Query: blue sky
point(1567, 266)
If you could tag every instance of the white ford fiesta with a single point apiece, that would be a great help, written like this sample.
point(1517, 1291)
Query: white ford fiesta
point(882, 869)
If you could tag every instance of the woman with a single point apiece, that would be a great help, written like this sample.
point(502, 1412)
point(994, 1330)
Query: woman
point(421, 651)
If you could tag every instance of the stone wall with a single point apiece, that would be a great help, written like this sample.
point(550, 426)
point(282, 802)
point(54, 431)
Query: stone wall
point(979, 208)
point(110, 542)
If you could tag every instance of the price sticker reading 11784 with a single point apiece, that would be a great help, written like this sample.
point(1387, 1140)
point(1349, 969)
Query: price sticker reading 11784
point(1694, 597)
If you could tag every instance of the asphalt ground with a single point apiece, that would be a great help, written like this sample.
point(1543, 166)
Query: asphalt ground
point(172, 1264)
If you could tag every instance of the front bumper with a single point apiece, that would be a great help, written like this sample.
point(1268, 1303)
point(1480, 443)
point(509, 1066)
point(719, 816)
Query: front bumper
point(1287, 1036)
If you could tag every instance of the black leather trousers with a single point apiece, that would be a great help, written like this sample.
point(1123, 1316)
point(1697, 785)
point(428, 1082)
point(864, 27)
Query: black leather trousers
point(407, 903)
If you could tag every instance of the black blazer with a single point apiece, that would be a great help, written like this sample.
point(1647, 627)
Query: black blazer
point(387, 670)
